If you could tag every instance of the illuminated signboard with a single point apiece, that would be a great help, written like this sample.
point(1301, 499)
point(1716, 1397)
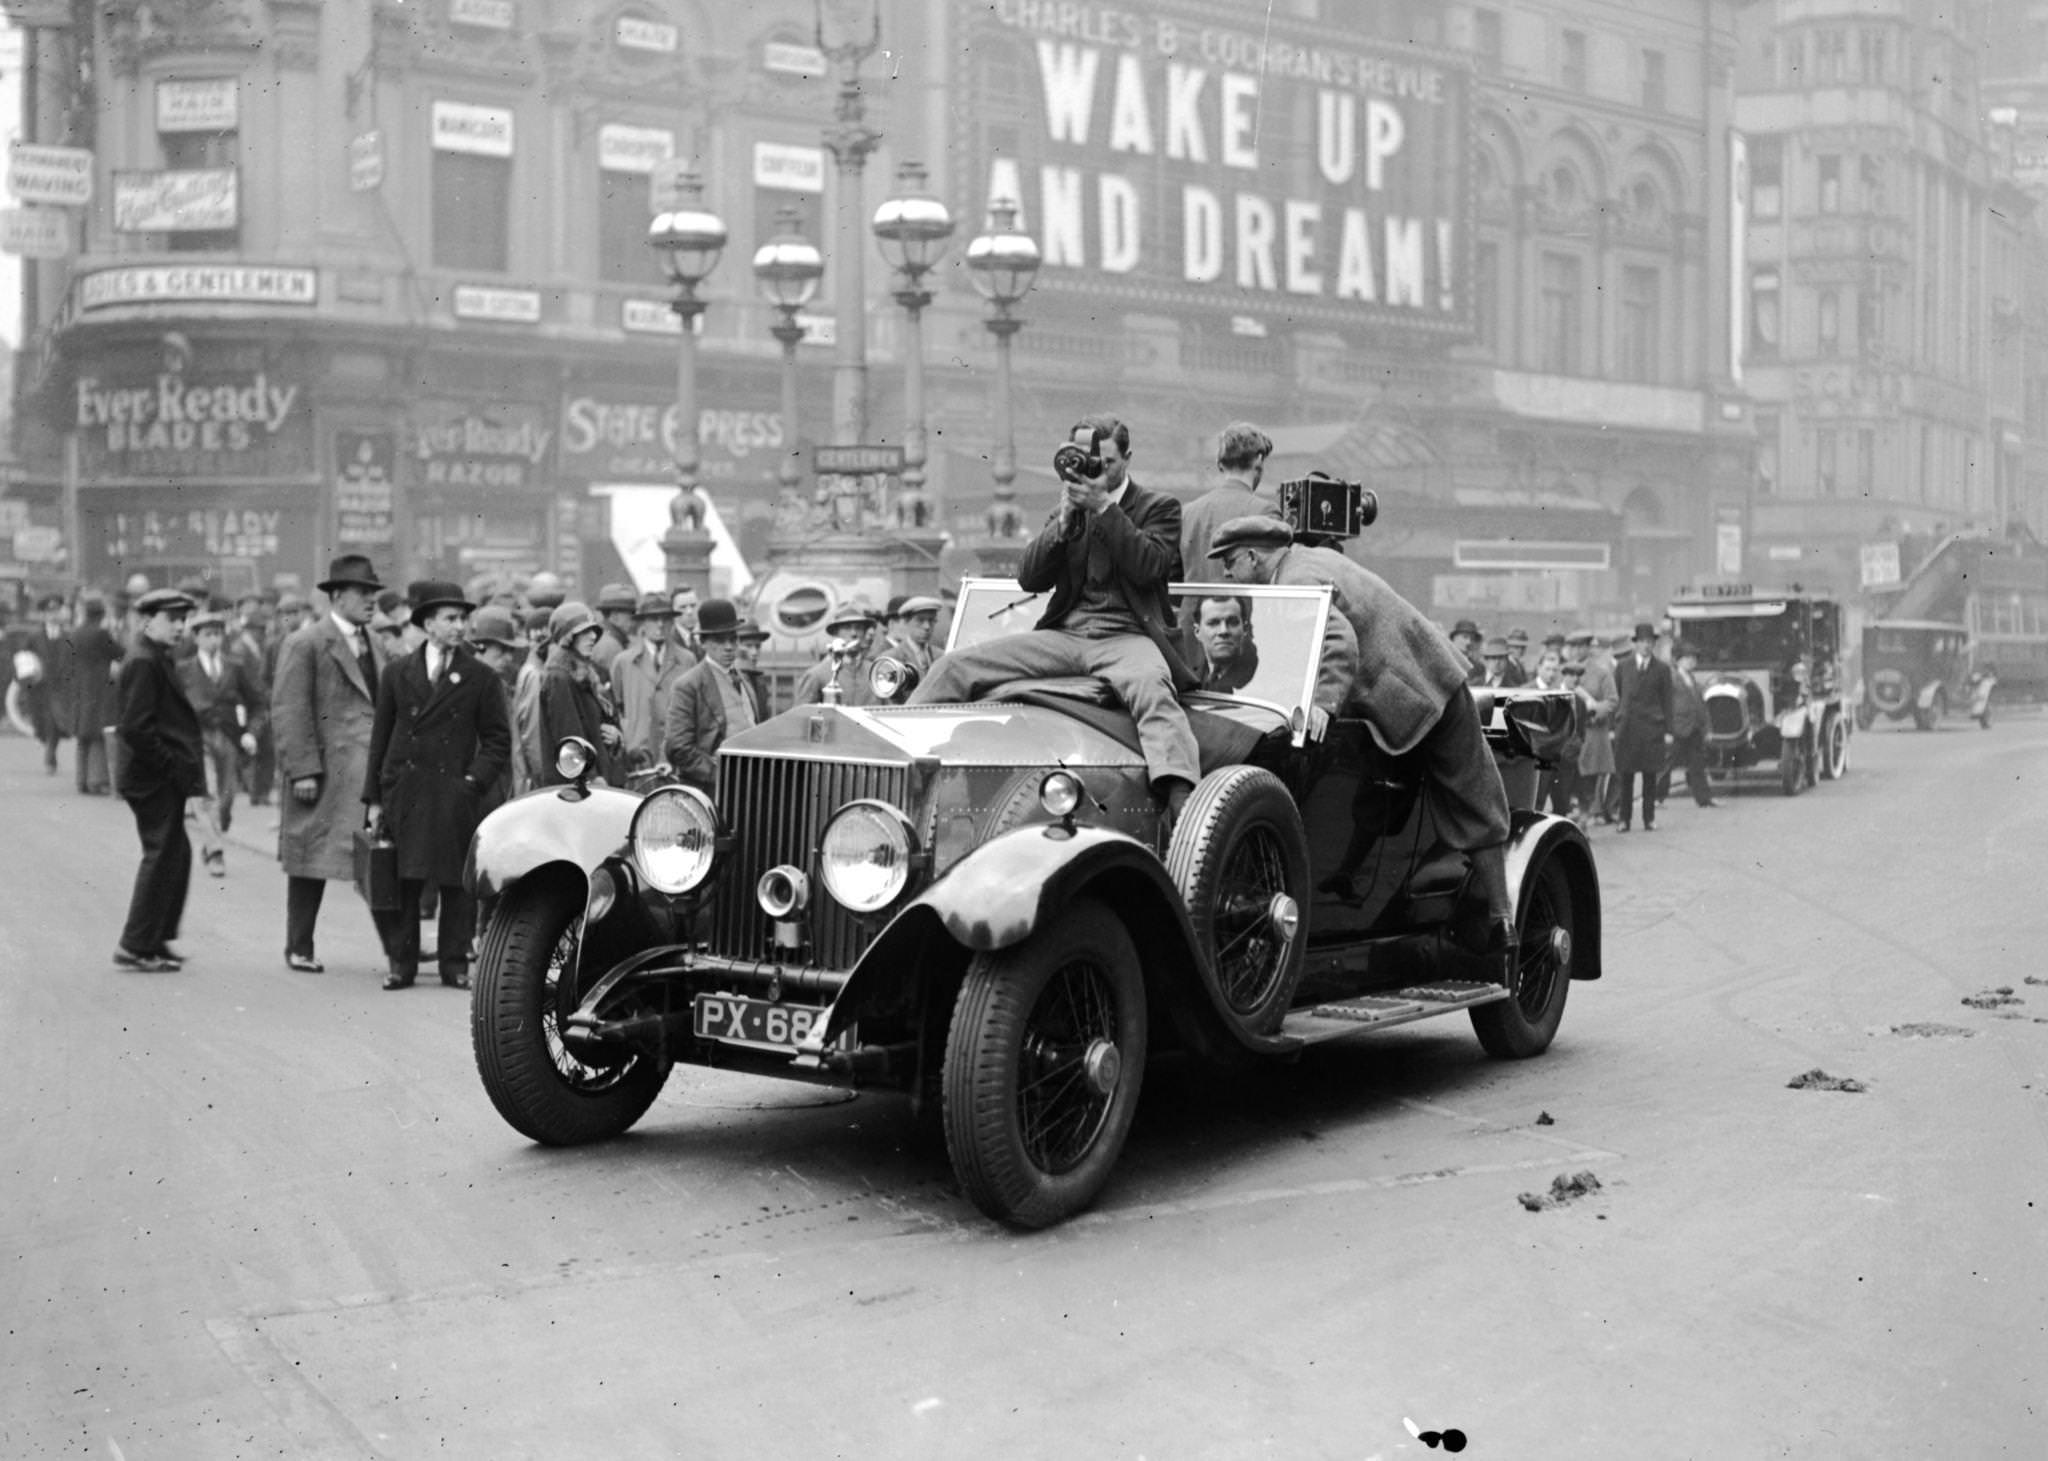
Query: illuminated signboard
point(1184, 157)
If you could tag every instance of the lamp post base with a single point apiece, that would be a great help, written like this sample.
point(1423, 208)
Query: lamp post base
point(687, 558)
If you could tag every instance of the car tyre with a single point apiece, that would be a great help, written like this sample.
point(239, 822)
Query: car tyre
point(1526, 1021)
point(1043, 1066)
point(542, 1090)
point(1239, 845)
point(1834, 741)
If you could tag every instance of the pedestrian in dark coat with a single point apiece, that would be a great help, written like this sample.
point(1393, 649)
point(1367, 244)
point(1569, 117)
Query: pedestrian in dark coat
point(45, 652)
point(442, 740)
point(1642, 725)
point(571, 700)
point(95, 658)
point(710, 701)
point(1688, 728)
point(323, 706)
point(748, 663)
point(495, 638)
point(162, 765)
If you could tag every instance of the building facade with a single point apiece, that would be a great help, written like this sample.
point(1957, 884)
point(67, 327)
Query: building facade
point(373, 276)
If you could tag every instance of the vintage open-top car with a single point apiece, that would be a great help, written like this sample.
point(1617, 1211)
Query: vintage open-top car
point(985, 906)
point(1770, 669)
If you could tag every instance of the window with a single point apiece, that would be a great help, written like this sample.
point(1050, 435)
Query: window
point(1829, 191)
point(1486, 37)
point(1653, 80)
point(1870, 320)
point(1574, 71)
point(623, 213)
point(1640, 308)
point(1561, 305)
point(1824, 461)
point(1763, 314)
point(1486, 295)
point(1870, 172)
point(1830, 57)
point(1766, 453)
point(194, 152)
point(1872, 45)
point(1829, 327)
point(1866, 460)
point(472, 212)
point(1766, 177)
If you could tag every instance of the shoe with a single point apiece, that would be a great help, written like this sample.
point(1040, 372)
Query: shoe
point(167, 952)
point(1708, 806)
point(216, 865)
point(304, 964)
point(399, 979)
point(1648, 825)
point(145, 963)
point(455, 978)
point(1623, 825)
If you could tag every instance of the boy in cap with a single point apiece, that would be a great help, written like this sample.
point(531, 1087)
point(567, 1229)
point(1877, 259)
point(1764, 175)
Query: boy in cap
point(231, 708)
point(161, 767)
point(913, 618)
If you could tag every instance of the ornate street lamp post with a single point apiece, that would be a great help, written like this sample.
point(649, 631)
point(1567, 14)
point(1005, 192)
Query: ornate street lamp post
point(787, 269)
point(688, 242)
point(1002, 262)
point(914, 229)
point(850, 139)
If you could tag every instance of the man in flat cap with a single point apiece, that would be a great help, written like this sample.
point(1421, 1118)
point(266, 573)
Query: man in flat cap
point(1105, 557)
point(231, 711)
point(161, 766)
point(618, 605)
point(643, 676)
point(912, 618)
point(1409, 687)
point(1241, 452)
point(323, 706)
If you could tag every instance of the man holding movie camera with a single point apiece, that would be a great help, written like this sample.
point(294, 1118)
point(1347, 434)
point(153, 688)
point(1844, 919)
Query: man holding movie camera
point(1106, 556)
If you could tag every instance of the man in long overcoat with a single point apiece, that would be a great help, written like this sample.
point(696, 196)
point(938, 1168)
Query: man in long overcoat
point(642, 678)
point(1642, 725)
point(94, 654)
point(322, 708)
point(162, 767)
point(47, 691)
point(442, 739)
point(1688, 728)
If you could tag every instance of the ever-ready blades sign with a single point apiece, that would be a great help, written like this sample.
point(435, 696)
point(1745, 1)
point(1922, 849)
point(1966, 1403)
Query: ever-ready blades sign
point(59, 175)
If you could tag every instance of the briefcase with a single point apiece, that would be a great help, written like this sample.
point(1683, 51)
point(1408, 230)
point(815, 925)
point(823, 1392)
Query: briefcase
point(117, 760)
point(376, 870)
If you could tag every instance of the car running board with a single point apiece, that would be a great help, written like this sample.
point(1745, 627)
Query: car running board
point(1381, 1011)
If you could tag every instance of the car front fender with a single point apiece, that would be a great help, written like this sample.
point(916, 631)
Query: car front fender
point(1793, 723)
point(546, 827)
point(1535, 839)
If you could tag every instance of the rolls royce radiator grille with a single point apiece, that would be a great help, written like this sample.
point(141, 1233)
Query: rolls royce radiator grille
point(777, 808)
point(1724, 715)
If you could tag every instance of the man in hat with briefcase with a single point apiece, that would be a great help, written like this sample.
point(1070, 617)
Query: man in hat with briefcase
point(323, 705)
point(442, 738)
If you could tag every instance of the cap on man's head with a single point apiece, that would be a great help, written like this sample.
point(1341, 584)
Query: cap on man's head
point(209, 619)
point(1579, 636)
point(291, 603)
point(1250, 532)
point(1684, 649)
point(617, 598)
point(853, 614)
point(1553, 640)
point(919, 604)
point(750, 630)
point(164, 601)
point(493, 625)
point(537, 622)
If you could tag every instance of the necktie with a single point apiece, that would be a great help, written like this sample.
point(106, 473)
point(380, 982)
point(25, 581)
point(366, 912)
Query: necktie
point(368, 660)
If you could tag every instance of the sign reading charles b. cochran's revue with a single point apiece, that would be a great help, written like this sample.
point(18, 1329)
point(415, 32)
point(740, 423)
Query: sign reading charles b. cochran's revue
point(1214, 156)
point(186, 424)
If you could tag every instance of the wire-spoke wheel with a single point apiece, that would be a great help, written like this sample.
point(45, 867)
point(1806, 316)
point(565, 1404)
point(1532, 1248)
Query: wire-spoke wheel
point(1240, 859)
point(1526, 1022)
point(521, 993)
point(1043, 1065)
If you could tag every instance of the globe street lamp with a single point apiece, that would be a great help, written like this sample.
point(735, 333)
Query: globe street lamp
point(1002, 263)
point(850, 139)
point(787, 269)
point(688, 241)
point(914, 229)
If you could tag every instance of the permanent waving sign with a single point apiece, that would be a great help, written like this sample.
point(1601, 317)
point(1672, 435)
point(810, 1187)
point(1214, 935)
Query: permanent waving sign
point(1180, 156)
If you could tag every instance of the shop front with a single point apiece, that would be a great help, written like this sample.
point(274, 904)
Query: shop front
point(479, 490)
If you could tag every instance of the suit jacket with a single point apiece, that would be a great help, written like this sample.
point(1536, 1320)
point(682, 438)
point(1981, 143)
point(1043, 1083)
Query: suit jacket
point(159, 728)
point(94, 653)
point(1134, 545)
point(436, 754)
point(1688, 706)
point(696, 727)
point(1407, 668)
point(218, 698)
point(1644, 716)
point(1200, 519)
point(855, 684)
point(322, 712)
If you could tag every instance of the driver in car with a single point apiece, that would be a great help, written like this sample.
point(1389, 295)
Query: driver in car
point(1106, 554)
point(1408, 685)
point(1223, 630)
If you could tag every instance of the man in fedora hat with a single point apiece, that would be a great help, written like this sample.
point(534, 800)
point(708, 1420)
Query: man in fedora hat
point(642, 678)
point(619, 607)
point(747, 664)
point(323, 706)
point(441, 741)
point(851, 627)
point(1642, 725)
point(1466, 636)
point(231, 710)
point(1518, 654)
point(710, 701)
point(161, 765)
point(913, 618)
point(1498, 668)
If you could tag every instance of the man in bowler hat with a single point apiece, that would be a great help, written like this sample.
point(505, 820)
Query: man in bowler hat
point(442, 739)
point(323, 705)
point(710, 701)
point(162, 765)
point(1642, 725)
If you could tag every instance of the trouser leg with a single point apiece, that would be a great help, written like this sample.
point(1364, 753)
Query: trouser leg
point(302, 898)
point(1625, 795)
point(453, 932)
point(1649, 798)
point(1696, 768)
point(263, 770)
point(224, 755)
point(1138, 673)
point(400, 930)
point(159, 819)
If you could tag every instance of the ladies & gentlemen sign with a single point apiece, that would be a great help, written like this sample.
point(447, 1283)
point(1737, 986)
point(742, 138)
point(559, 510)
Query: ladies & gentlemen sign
point(1172, 157)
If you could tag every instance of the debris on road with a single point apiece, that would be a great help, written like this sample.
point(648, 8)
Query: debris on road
point(1544, 1118)
point(1819, 1080)
point(1921, 1030)
point(1563, 1189)
point(1991, 999)
point(2032, 979)
point(2012, 1015)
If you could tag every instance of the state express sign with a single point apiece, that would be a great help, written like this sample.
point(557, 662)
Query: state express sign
point(1171, 157)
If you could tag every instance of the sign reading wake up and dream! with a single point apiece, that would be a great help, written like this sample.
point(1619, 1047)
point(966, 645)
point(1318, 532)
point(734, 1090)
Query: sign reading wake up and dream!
point(1188, 158)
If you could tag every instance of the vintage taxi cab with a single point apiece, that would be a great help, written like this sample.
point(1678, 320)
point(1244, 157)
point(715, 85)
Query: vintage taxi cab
point(1914, 668)
point(1770, 665)
point(984, 907)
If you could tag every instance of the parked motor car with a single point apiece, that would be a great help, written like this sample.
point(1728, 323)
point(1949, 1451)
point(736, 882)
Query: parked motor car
point(984, 906)
point(1917, 668)
point(1771, 666)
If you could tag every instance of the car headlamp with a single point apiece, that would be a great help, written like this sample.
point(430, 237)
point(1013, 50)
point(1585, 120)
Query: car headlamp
point(865, 857)
point(573, 758)
point(1060, 793)
point(891, 680)
point(674, 838)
